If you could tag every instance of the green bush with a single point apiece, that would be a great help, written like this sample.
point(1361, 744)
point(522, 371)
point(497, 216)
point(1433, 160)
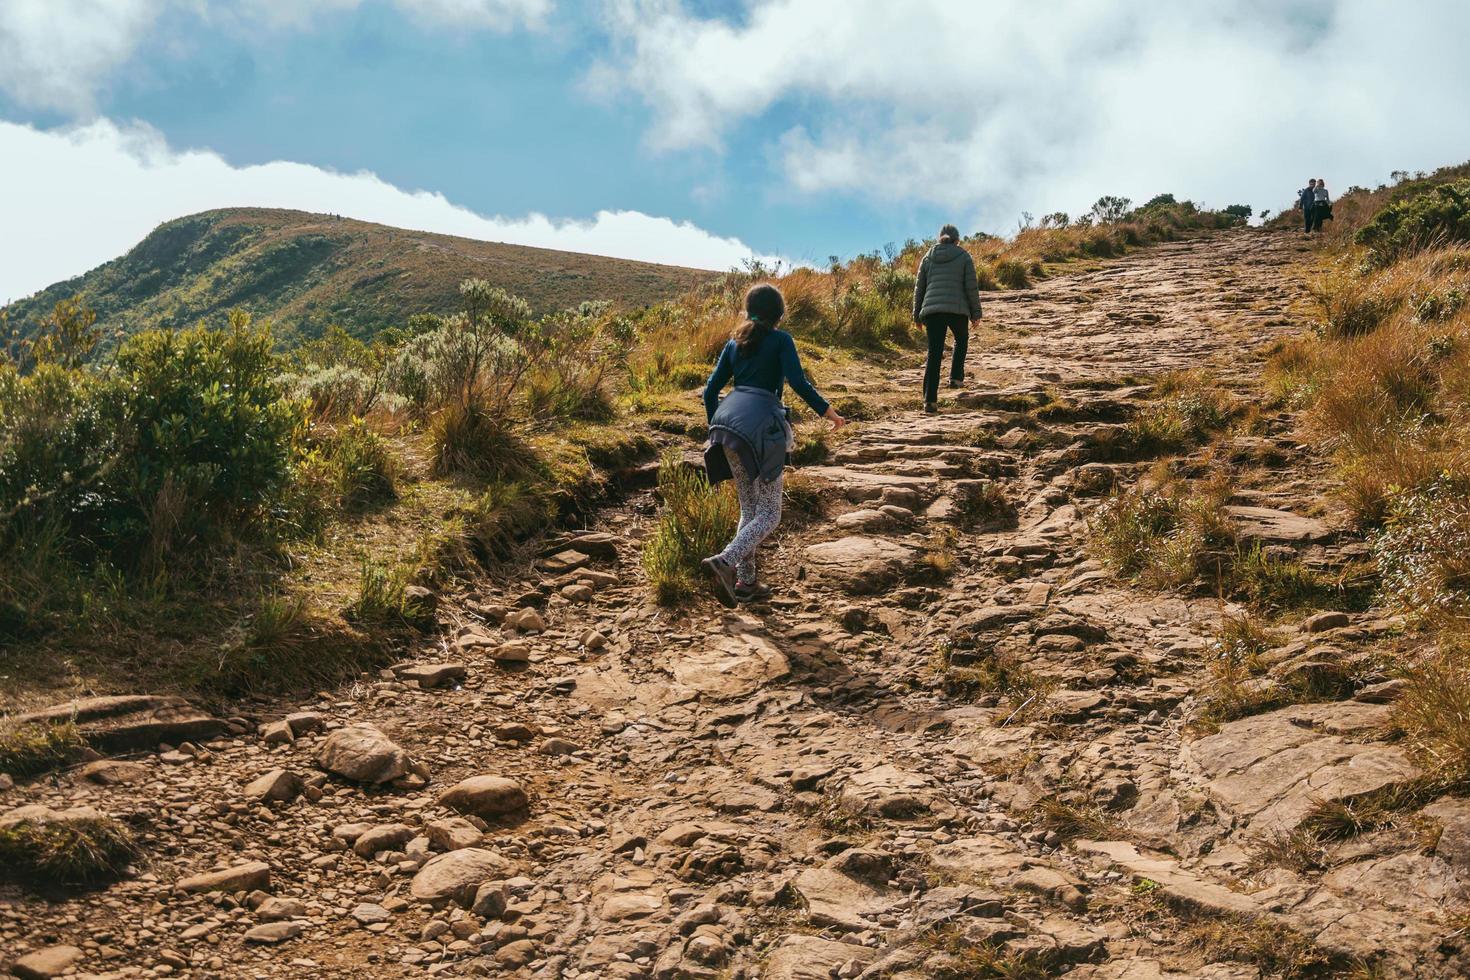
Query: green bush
point(1012, 274)
point(1439, 216)
point(697, 521)
point(1423, 552)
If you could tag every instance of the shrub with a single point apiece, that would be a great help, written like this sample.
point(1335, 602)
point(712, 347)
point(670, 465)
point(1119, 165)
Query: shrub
point(334, 393)
point(364, 468)
point(1423, 552)
point(474, 439)
point(697, 521)
point(384, 598)
point(1434, 709)
point(1438, 216)
point(584, 349)
point(26, 750)
point(1164, 537)
point(1012, 274)
point(72, 851)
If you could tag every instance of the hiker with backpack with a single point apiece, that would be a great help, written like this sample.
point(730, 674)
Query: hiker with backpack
point(1306, 202)
point(946, 300)
point(750, 435)
point(1321, 205)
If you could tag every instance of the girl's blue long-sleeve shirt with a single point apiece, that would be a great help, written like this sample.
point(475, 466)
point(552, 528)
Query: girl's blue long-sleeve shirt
point(773, 363)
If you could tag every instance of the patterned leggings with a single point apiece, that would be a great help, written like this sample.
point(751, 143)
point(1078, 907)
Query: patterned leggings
point(760, 512)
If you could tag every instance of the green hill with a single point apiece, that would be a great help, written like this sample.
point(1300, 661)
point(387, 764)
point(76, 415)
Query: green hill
point(305, 271)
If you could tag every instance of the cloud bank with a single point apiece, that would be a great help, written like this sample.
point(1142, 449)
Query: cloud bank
point(79, 197)
point(989, 108)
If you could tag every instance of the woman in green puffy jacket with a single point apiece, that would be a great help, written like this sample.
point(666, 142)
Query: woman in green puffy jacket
point(946, 300)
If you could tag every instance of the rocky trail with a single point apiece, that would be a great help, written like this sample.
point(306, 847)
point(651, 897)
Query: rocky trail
point(569, 781)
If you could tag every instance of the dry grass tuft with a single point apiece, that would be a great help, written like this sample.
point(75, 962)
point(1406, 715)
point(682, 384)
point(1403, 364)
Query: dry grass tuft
point(27, 750)
point(66, 852)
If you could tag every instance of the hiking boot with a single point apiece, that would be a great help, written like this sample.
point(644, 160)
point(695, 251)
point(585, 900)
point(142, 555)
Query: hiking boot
point(724, 575)
point(956, 382)
point(752, 593)
point(931, 408)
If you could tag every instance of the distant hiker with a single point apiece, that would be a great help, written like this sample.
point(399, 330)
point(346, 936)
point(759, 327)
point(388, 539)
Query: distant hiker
point(946, 298)
point(750, 434)
point(1306, 200)
point(1321, 205)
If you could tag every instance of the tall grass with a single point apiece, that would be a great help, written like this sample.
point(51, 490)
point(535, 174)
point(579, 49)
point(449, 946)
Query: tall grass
point(697, 521)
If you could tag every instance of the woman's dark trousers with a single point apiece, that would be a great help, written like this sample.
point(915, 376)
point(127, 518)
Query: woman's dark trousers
point(1319, 211)
point(936, 325)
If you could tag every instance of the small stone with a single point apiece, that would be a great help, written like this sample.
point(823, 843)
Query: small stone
point(557, 746)
point(514, 732)
point(274, 932)
point(44, 964)
point(369, 913)
point(513, 652)
point(577, 593)
point(453, 833)
point(277, 733)
point(1324, 621)
point(276, 909)
point(593, 640)
point(240, 878)
point(490, 901)
point(278, 786)
point(485, 796)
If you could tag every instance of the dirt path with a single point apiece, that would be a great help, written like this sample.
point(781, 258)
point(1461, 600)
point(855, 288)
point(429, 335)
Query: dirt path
point(828, 785)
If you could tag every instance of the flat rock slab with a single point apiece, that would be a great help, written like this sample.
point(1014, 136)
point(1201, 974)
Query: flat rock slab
point(363, 754)
point(861, 485)
point(133, 721)
point(245, 877)
point(861, 565)
point(984, 855)
point(1177, 883)
point(1272, 770)
point(431, 675)
point(731, 666)
point(888, 791)
point(46, 963)
point(838, 898)
point(813, 958)
point(1267, 525)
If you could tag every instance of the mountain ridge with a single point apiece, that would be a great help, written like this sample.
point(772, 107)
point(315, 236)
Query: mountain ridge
point(305, 271)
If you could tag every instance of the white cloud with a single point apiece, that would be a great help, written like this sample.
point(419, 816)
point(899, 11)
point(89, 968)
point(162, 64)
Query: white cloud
point(85, 195)
point(985, 109)
point(54, 53)
point(58, 54)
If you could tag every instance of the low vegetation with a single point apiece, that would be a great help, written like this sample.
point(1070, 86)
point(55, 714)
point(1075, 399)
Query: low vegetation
point(26, 750)
point(697, 521)
point(72, 851)
point(1384, 382)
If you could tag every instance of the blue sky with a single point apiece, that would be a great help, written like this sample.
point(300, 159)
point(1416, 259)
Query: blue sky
point(698, 132)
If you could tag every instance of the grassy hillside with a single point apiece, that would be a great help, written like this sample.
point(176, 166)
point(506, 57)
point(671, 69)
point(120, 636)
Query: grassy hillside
point(201, 507)
point(307, 271)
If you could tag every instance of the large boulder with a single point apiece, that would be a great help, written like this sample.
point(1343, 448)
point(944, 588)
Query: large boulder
point(456, 875)
point(363, 754)
point(487, 797)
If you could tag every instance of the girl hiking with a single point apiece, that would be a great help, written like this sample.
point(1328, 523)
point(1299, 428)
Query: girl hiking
point(946, 298)
point(750, 434)
point(1321, 205)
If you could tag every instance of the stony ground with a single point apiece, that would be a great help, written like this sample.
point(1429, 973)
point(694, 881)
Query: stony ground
point(570, 781)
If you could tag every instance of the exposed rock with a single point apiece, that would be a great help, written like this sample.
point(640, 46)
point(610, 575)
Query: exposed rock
point(1267, 525)
point(43, 964)
point(861, 565)
point(278, 785)
point(430, 676)
point(453, 833)
point(363, 754)
point(240, 878)
point(489, 797)
point(800, 957)
point(131, 721)
point(384, 837)
point(457, 875)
